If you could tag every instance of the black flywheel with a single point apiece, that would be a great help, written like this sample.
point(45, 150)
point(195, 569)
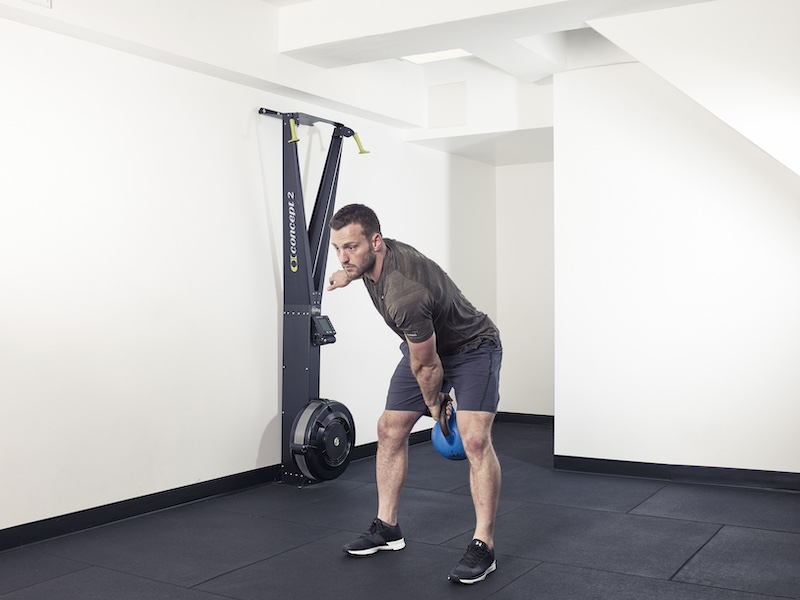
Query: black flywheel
point(323, 437)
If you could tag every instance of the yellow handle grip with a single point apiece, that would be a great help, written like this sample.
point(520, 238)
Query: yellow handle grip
point(293, 129)
point(358, 142)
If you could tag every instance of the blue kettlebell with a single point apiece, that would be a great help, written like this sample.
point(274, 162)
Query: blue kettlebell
point(449, 446)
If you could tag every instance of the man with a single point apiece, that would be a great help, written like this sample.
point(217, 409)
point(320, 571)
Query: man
point(446, 343)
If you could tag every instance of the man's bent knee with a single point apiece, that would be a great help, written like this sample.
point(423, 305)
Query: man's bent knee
point(475, 429)
point(477, 446)
point(394, 427)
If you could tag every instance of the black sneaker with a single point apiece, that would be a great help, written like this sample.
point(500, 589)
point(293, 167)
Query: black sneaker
point(477, 563)
point(379, 537)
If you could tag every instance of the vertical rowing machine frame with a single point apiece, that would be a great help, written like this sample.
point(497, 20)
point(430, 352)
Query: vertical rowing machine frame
point(305, 329)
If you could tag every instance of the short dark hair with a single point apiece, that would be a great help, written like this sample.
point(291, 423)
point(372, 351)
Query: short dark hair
point(357, 214)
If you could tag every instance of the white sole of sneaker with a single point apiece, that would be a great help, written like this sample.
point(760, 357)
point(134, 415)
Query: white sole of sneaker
point(480, 577)
point(394, 545)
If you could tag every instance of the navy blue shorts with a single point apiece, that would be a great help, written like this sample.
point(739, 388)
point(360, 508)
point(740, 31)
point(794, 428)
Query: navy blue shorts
point(474, 374)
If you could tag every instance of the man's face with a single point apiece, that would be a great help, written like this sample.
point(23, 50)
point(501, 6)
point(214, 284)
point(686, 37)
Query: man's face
point(354, 250)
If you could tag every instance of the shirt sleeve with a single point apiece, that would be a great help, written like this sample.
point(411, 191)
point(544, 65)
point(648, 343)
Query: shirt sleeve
point(412, 313)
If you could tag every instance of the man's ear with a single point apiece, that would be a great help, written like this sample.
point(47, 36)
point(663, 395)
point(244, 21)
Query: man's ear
point(377, 242)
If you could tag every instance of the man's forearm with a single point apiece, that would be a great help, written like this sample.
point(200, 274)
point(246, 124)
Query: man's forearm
point(430, 378)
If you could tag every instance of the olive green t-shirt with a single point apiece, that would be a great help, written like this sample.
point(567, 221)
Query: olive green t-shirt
point(417, 298)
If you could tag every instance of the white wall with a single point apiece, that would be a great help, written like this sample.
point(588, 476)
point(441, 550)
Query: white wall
point(677, 251)
point(139, 285)
point(469, 227)
point(525, 287)
point(134, 261)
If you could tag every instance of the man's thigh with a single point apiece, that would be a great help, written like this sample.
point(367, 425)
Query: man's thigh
point(475, 375)
point(475, 423)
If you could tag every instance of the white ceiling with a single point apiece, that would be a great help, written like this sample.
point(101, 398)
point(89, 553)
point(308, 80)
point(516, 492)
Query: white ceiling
point(530, 40)
point(510, 34)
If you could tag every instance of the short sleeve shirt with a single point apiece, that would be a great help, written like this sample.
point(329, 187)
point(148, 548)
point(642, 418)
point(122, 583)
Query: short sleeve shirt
point(417, 299)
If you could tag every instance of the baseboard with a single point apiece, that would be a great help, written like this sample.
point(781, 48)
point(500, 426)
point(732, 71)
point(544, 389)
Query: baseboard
point(773, 480)
point(510, 417)
point(29, 533)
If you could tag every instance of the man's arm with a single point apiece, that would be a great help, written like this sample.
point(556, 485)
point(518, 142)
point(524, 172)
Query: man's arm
point(338, 280)
point(427, 368)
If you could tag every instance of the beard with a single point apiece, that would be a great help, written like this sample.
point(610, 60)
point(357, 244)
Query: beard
point(357, 272)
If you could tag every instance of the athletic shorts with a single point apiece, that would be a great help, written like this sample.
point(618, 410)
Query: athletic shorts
point(474, 374)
